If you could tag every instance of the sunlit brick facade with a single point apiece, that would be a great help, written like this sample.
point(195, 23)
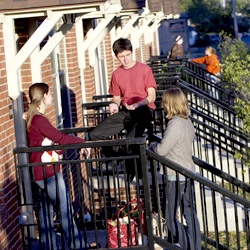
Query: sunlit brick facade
point(60, 70)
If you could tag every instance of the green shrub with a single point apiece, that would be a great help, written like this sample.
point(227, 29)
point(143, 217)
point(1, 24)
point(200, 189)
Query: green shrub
point(235, 68)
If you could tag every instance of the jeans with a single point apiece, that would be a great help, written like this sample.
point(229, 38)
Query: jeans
point(70, 231)
point(211, 89)
point(134, 122)
point(190, 239)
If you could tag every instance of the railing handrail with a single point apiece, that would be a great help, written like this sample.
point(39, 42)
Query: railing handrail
point(95, 104)
point(190, 87)
point(166, 59)
point(85, 160)
point(217, 102)
point(222, 135)
point(74, 130)
point(218, 172)
point(221, 174)
point(156, 66)
point(98, 97)
point(199, 67)
point(219, 124)
point(168, 74)
point(200, 78)
point(241, 145)
point(87, 144)
point(194, 176)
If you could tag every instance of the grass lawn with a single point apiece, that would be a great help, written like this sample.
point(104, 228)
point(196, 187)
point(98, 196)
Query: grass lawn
point(231, 239)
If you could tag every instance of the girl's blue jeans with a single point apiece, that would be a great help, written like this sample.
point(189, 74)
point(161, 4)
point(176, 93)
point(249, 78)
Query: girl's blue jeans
point(188, 236)
point(48, 202)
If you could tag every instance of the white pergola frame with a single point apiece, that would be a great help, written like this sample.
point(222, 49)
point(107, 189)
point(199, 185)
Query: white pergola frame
point(109, 15)
point(14, 59)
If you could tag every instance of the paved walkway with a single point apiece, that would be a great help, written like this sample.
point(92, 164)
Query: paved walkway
point(91, 238)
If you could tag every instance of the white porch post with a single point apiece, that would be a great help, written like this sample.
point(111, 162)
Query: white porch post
point(15, 92)
point(14, 88)
point(41, 32)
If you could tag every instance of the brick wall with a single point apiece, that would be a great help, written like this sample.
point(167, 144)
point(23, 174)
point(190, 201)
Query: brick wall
point(10, 237)
point(171, 7)
point(74, 79)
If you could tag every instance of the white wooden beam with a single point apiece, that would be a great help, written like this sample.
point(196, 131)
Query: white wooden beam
point(35, 40)
point(80, 44)
point(157, 43)
point(34, 12)
point(100, 38)
point(113, 33)
point(150, 31)
point(104, 32)
point(96, 34)
point(36, 73)
point(92, 57)
point(97, 31)
point(146, 22)
point(38, 58)
point(10, 53)
point(128, 28)
point(135, 39)
point(53, 42)
point(112, 9)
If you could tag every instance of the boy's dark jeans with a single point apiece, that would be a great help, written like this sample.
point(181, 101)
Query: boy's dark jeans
point(134, 121)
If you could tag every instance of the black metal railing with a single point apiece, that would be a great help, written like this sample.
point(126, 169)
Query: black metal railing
point(170, 69)
point(97, 187)
point(196, 76)
point(164, 59)
point(211, 107)
point(210, 86)
point(200, 93)
point(219, 138)
point(222, 178)
point(100, 186)
point(215, 143)
point(189, 69)
point(98, 110)
point(94, 112)
point(223, 216)
point(219, 149)
point(200, 71)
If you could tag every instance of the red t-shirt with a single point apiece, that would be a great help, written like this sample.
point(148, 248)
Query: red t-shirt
point(132, 84)
point(41, 130)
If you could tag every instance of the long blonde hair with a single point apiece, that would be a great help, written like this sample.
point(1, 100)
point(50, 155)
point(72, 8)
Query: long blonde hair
point(175, 103)
point(36, 94)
